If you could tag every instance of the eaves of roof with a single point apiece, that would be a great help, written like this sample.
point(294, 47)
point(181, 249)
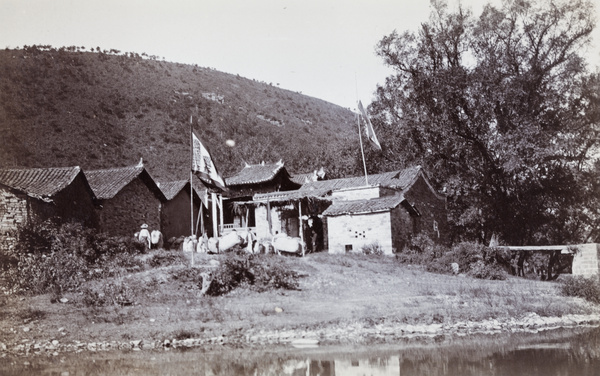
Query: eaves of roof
point(374, 205)
point(41, 183)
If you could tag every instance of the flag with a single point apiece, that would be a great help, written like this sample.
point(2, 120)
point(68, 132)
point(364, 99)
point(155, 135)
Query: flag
point(203, 166)
point(369, 127)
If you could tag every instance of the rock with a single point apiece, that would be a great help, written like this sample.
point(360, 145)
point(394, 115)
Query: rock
point(2, 346)
point(278, 309)
point(136, 343)
point(166, 343)
point(26, 329)
point(63, 300)
point(454, 266)
point(55, 343)
point(61, 329)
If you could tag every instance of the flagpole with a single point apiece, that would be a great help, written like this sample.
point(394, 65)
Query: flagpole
point(362, 150)
point(191, 186)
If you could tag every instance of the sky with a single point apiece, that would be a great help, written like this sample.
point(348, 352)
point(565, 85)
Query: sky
point(322, 48)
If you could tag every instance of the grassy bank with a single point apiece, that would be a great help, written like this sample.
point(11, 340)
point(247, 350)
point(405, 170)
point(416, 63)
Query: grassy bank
point(161, 299)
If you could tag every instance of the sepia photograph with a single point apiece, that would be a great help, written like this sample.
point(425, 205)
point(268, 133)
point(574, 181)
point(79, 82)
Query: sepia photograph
point(300, 187)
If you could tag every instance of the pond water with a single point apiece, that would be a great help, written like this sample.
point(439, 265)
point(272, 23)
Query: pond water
point(551, 353)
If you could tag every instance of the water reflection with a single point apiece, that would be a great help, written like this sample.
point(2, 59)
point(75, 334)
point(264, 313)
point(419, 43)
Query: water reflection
point(560, 352)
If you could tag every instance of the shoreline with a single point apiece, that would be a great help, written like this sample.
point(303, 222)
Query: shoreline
point(332, 335)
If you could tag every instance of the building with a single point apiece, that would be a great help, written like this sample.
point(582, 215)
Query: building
point(251, 180)
point(37, 194)
point(126, 197)
point(175, 213)
point(386, 213)
point(385, 210)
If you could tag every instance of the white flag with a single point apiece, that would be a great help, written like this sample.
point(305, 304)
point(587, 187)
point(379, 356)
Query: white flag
point(369, 127)
point(203, 166)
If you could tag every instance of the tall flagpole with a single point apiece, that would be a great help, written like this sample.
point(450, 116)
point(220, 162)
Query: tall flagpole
point(362, 151)
point(191, 186)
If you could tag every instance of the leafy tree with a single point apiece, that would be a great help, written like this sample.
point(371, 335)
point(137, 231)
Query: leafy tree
point(502, 111)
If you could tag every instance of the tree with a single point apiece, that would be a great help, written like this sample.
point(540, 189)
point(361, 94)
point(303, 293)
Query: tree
point(503, 112)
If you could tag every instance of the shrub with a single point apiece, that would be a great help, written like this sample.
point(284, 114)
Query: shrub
point(473, 259)
point(587, 288)
point(483, 270)
point(53, 257)
point(372, 249)
point(115, 293)
point(257, 271)
point(165, 258)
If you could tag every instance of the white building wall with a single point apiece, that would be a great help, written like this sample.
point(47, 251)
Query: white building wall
point(358, 231)
point(262, 224)
point(585, 262)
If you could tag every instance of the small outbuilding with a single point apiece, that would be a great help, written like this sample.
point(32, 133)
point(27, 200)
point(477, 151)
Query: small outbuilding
point(37, 194)
point(126, 197)
point(175, 213)
point(384, 214)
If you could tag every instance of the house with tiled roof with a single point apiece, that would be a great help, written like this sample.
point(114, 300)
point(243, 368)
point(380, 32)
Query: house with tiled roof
point(260, 178)
point(251, 180)
point(175, 212)
point(385, 214)
point(42, 193)
point(385, 209)
point(126, 197)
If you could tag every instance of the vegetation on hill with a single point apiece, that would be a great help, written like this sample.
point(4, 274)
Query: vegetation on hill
point(99, 109)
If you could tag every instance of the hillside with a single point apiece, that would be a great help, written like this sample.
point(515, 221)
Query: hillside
point(97, 109)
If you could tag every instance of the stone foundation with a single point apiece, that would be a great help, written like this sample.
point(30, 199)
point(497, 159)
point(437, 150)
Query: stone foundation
point(585, 262)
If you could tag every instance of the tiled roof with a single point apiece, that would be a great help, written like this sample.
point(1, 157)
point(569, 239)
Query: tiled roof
point(171, 188)
point(373, 205)
point(253, 174)
point(394, 179)
point(302, 178)
point(284, 196)
point(39, 182)
point(108, 182)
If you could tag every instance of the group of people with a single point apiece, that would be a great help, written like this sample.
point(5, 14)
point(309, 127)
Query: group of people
point(152, 239)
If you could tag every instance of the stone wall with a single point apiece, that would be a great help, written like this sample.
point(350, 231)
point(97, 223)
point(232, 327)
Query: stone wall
point(585, 262)
point(434, 217)
point(349, 233)
point(402, 227)
point(123, 214)
point(13, 211)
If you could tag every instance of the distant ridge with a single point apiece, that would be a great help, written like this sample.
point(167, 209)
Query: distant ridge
point(99, 109)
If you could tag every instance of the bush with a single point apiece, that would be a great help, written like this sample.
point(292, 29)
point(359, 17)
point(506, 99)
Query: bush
point(587, 288)
point(372, 249)
point(53, 257)
point(115, 293)
point(259, 272)
point(483, 270)
point(166, 258)
point(473, 259)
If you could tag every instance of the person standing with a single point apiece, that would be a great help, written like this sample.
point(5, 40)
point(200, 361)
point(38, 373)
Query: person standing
point(144, 236)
